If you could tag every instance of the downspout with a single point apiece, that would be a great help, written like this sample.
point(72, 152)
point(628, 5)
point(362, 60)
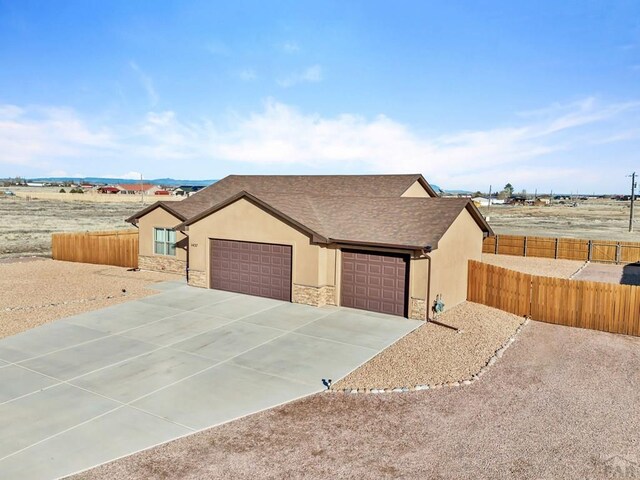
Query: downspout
point(187, 248)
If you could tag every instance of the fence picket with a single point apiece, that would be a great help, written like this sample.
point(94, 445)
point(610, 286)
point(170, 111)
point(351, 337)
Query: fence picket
point(592, 305)
point(118, 247)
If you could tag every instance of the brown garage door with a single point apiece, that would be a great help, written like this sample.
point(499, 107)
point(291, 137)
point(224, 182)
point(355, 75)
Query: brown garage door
point(374, 281)
point(261, 269)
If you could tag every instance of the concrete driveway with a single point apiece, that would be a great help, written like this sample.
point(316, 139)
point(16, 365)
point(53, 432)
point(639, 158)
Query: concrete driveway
point(91, 388)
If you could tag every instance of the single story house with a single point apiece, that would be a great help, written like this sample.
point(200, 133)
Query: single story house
point(138, 188)
point(385, 243)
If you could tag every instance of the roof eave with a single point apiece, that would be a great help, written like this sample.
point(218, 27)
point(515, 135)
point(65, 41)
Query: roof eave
point(315, 236)
point(136, 216)
point(395, 246)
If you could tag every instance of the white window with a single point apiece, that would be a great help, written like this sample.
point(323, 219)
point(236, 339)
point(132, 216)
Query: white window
point(164, 241)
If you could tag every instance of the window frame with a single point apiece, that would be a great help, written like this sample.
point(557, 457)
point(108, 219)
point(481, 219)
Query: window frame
point(164, 241)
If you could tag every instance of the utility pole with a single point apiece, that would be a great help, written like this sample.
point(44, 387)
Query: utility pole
point(489, 206)
point(633, 199)
point(141, 191)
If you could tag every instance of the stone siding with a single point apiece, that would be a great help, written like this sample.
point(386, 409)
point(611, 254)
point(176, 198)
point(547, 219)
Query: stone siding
point(162, 263)
point(417, 309)
point(314, 296)
point(198, 278)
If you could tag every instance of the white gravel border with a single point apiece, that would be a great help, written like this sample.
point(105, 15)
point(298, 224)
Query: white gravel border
point(468, 381)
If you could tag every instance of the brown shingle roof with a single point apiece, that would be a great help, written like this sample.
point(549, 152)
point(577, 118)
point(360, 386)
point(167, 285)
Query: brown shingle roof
point(399, 222)
point(335, 185)
point(361, 209)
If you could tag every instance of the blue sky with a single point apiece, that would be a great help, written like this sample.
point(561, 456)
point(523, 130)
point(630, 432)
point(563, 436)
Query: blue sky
point(544, 94)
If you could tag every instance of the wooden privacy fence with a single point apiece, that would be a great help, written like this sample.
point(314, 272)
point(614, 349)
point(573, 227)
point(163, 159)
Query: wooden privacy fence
point(118, 247)
point(603, 251)
point(597, 306)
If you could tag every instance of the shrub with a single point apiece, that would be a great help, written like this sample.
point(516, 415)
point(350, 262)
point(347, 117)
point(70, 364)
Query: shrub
point(62, 190)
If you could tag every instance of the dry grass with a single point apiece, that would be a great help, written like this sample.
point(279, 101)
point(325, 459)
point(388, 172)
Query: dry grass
point(592, 219)
point(545, 267)
point(26, 226)
point(433, 354)
point(39, 291)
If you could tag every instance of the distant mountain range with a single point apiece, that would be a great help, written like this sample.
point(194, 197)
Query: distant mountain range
point(169, 182)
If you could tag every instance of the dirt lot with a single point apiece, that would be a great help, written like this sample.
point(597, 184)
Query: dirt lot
point(559, 404)
point(26, 226)
point(546, 267)
point(36, 291)
point(591, 219)
point(433, 354)
point(620, 274)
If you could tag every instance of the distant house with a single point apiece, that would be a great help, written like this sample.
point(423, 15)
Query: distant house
point(110, 190)
point(137, 188)
point(485, 202)
point(187, 190)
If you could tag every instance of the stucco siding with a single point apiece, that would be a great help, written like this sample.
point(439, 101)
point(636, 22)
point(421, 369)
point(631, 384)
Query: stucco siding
point(245, 221)
point(159, 218)
point(461, 243)
point(416, 190)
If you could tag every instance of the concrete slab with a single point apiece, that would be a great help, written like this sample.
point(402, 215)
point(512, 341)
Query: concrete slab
point(48, 338)
point(188, 298)
point(168, 286)
point(137, 377)
point(17, 381)
point(228, 341)
point(221, 394)
point(288, 316)
point(36, 417)
point(124, 316)
point(305, 359)
point(151, 370)
point(177, 328)
point(111, 436)
point(240, 306)
point(375, 332)
point(87, 357)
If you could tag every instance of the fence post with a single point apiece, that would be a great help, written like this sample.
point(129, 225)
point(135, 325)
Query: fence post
point(524, 247)
point(496, 244)
point(556, 252)
point(589, 250)
point(618, 248)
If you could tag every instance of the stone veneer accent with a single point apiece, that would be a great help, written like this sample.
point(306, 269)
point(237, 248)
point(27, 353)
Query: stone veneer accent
point(198, 278)
point(162, 263)
point(417, 309)
point(314, 296)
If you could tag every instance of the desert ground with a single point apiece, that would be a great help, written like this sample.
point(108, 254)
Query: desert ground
point(558, 405)
point(26, 225)
point(596, 219)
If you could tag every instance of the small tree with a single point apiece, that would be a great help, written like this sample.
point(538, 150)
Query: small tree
point(62, 190)
point(508, 189)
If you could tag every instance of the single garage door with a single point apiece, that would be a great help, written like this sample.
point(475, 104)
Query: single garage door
point(374, 281)
point(262, 269)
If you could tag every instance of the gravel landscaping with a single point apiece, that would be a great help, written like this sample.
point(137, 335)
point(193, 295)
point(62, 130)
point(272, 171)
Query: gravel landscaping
point(558, 405)
point(34, 291)
point(546, 267)
point(433, 354)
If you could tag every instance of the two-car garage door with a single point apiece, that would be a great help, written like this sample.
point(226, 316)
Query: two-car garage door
point(261, 269)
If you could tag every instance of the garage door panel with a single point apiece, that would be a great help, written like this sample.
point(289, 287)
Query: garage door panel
point(374, 281)
point(252, 268)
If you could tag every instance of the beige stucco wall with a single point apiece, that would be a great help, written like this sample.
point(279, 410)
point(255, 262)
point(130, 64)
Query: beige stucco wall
point(245, 221)
point(461, 243)
point(160, 218)
point(416, 190)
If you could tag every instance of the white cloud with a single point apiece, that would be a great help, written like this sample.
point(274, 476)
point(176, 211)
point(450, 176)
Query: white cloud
point(126, 176)
point(247, 75)
point(546, 146)
point(146, 82)
point(36, 136)
point(290, 47)
point(311, 74)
